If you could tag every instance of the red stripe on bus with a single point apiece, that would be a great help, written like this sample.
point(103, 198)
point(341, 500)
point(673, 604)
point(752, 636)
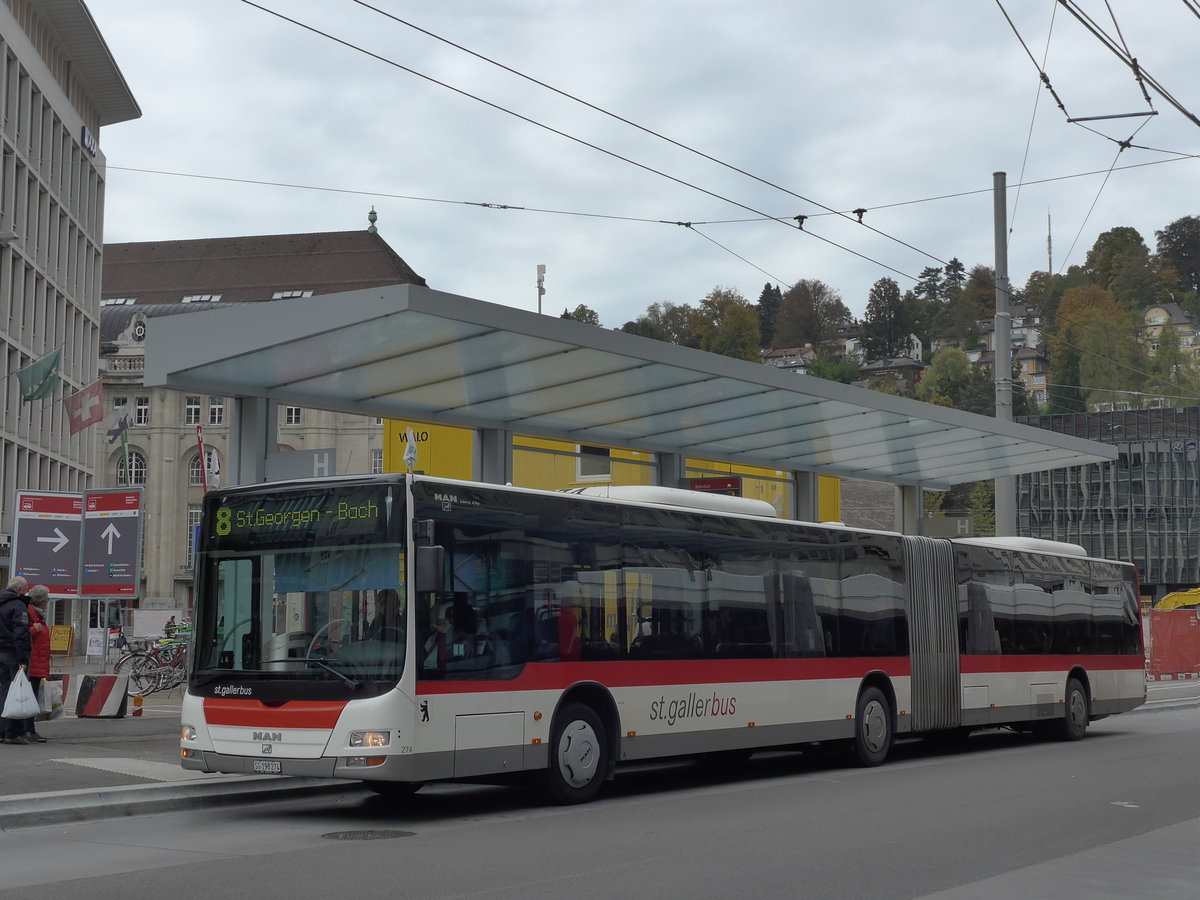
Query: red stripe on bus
point(655, 673)
point(254, 713)
point(979, 665)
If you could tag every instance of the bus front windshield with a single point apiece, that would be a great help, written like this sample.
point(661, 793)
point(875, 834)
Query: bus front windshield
point(286, 597)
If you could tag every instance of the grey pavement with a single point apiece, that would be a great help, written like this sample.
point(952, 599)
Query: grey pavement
point(94, 768)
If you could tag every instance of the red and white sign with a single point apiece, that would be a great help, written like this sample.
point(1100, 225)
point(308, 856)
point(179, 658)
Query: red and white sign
point(85, 407)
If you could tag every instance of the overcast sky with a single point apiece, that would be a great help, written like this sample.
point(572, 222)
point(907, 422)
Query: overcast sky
point(902, 109)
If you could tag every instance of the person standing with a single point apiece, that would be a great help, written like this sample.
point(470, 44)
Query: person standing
point(15, 644)
point(39, 654)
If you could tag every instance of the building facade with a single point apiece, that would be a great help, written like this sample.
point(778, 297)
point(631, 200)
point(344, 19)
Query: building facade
point(59, 86)
point(1144, 507)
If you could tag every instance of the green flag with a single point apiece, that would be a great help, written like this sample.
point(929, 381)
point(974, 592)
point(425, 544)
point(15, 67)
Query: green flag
point(41, 378)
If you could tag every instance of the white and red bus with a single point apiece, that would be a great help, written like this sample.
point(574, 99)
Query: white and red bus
point(402, 629)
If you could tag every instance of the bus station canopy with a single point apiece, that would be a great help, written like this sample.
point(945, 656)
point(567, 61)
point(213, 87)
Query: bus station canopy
point(408, 352)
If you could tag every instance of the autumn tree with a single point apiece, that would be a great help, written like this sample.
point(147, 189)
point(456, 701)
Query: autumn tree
point(885, 327)
point(946, 379)
point(833, 367)
point(673, 323)
point(1120, 263)
point(1091, 328)
point(810, 312)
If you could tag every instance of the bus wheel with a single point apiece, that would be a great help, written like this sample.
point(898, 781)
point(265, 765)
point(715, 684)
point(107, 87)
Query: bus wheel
point(872, 727)
point(1075, 722)
point(578, 755)
point(394, 789)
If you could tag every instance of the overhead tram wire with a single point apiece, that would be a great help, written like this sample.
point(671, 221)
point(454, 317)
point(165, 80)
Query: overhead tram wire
point(1032, 120)
point(828, 209)
point(580, 141)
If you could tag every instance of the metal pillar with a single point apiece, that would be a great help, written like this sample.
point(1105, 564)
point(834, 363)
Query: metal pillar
point(494, 456)
point(253, 434)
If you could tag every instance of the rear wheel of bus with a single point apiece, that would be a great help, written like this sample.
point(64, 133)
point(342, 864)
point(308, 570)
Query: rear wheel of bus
point(873, 732)
point(578, 755)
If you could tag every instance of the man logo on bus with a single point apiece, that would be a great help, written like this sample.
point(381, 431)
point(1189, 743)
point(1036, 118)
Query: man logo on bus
point(424, 710)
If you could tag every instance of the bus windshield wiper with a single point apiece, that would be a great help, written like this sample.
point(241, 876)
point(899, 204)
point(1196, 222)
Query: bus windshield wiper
point(324, 664)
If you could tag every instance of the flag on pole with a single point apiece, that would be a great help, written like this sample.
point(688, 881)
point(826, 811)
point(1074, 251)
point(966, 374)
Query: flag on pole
point(214, 470)
point(116, 423)
point(85, 407)
point(203, 459)
point(39, 379)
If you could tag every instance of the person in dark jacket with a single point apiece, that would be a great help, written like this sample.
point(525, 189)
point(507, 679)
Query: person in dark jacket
point(39, 654)
point(15, 646)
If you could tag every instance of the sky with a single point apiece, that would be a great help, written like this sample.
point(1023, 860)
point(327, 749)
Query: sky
point(254, 125)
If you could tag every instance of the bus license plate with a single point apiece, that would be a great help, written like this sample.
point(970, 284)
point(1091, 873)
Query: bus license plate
point(267, 767)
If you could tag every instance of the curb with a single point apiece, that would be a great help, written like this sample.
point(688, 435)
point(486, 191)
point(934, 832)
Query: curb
point(59, 807)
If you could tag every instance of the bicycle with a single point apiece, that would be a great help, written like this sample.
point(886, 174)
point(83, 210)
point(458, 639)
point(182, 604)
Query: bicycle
point(159, 667)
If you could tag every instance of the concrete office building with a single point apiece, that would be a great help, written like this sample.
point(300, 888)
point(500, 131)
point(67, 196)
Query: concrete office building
point(59, 86)
point(1143, 507)
point(150, 280)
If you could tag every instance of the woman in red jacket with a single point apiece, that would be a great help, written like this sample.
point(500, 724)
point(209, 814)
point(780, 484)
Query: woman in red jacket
point(39, 656)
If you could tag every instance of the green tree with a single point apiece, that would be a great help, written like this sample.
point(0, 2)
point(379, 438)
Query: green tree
point(582, 313)
point(769, 302)
point(833, 367)
point(810, 312)
point(947, 377)
point(1120, 263)
point(981, 507)
point(1178, 246)
point(885, 327)
point(729, 325)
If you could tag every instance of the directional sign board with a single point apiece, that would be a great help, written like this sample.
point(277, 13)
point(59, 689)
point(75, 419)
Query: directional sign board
point(80, 545)
point(112, 543)
point(46, 540)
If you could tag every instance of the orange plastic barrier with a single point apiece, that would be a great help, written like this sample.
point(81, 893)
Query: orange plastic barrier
point(1174, 649)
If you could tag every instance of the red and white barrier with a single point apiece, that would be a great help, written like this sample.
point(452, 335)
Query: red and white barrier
point(102, 696)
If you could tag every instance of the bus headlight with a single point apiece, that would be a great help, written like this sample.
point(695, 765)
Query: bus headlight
point(370, 738)
point(187, 733)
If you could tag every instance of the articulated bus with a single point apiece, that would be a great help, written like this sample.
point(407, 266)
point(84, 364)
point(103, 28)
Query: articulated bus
point(402, 629)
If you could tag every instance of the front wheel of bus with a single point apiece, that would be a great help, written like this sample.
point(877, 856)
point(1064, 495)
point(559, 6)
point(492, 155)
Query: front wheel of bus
point(578, 755)
point(872, 727)
point(1076, 721)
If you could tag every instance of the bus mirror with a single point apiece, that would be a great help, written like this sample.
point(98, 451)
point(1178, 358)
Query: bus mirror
point(429, 568)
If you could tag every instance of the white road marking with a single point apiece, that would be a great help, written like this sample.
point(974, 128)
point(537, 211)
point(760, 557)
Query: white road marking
point(139, 768)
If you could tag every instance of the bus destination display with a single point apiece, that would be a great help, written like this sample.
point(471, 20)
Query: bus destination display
point(290, 519)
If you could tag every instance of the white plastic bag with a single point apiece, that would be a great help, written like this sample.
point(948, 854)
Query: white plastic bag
point(21, 702)
point(52, 699)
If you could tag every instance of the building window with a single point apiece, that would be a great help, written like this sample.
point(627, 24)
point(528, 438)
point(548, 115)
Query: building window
point(137, 468)
point(191, 411)
point(118, 402)
point(291, 415)
point(290, 295)
point(201, 298)
point(379, 420)
point(141, 413)
point(118, 301)
point(189, 539)
point(593, 463)
point(195, 476)
point(216, 410)
point(376, 462)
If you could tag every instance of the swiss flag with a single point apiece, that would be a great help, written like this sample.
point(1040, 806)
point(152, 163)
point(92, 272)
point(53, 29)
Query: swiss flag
point(86, 407)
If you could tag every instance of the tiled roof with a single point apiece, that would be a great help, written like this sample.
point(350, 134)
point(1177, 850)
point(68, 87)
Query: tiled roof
point(244, 269)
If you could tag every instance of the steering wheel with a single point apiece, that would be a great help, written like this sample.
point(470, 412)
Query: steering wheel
point(328, 626)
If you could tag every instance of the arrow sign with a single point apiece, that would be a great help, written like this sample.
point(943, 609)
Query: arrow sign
point(59, 542)
point(108, 534)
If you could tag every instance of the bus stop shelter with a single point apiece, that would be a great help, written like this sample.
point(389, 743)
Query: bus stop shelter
point(409, 352)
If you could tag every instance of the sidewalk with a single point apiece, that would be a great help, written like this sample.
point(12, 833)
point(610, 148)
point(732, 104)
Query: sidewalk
point(92, 768)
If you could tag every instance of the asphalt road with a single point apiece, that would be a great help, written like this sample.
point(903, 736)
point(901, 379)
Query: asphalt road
point(1116, 815)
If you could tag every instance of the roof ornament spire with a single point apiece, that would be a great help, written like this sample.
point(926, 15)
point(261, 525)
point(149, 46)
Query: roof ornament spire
point(372, 217)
